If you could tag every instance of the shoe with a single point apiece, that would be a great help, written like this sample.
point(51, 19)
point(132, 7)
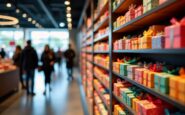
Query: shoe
point(23, 87)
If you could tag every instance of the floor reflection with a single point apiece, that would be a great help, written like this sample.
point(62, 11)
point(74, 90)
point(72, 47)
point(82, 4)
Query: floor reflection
point(64, 99)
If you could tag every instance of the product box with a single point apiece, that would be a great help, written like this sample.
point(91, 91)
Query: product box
point(123, 69)
point(175, 36)
point(131, 71)
point(139, 11)
point(158, 42)
point(162, 1)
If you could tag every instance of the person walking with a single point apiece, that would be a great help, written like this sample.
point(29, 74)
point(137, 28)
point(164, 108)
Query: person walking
point(17, 62)
point(2, 53)
point(29, 60)
point(47, 66)
point(69, 55)
point(59, 57)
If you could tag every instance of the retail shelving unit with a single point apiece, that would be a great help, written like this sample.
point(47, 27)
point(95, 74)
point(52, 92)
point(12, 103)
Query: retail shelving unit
point(159, 15)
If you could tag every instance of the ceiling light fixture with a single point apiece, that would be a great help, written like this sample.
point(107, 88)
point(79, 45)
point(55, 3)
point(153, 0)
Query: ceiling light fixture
point(68, 8)
point(68, 15)
point(8, 20)
point(67, 2)
point(69, 19)
point(17, 11)
point(29, 19)
point(24, 15)
point(62, 24)
point(8, 5)
point(33, 22)
point(69, 25)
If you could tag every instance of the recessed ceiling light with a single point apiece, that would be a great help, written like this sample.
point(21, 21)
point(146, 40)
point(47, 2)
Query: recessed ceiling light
point(29, 19)
point(68, 15)
point(24, 15)
point(69, 19)
point(62, 24)
point(67, 2)
point(17, 11)
point(33, 22)
point(69, 25)
point(68, 8)
point(8, 5)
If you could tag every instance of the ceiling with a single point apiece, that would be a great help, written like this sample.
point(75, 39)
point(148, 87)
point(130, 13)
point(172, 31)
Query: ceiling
point(38, 12)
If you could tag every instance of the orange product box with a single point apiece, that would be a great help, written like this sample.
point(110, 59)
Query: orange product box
point(145, 77)
point(134, 101)
point(181, 85)
point(151, 79)
point(181, 97)
point(173, 93)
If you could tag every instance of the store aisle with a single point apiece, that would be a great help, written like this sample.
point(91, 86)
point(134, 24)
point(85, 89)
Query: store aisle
point(63, 100)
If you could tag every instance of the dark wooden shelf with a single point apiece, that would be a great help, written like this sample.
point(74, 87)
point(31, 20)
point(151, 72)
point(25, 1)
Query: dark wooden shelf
point(153, 51)
point(124, 6)
point(125, 105)
point(101, 38)
point(103, 24)
point(101, 82)
point(164, 97)
point(153, 16)
point(102, 98)
point(105, 7)
point(100, 52)
point(101, 66)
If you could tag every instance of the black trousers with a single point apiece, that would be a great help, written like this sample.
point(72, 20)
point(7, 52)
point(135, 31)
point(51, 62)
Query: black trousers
point(47, 74)
point(30, 76)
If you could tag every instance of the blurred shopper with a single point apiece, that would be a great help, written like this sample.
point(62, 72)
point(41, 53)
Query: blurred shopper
point(2, 53)
point(17, 61)
point(59, 57)
point(53, 57)
point(48, 62)
point(29, 62)
point(69, 55)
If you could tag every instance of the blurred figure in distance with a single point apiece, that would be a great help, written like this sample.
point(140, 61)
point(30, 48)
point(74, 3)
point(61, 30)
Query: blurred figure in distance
point(48, 62)
point(69, 55)
point(29, 61)
point(2, 53)
point(17, 62)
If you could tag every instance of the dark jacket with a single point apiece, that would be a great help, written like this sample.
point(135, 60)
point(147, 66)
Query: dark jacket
point(3, 54)
point(29, 59)
point(17, 59)
point(69, 55)
point(46, 59)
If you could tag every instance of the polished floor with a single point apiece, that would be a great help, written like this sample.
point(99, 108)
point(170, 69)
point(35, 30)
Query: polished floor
point(64, 99)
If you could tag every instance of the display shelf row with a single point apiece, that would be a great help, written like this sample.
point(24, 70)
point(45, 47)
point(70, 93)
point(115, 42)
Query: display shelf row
point(164, 97)
point(101, 38)
point(102, 24)
point(153, 51)
point(104, 8)
point(101, 66)
point(102, 98)
point(101, 82)
point(152, 16)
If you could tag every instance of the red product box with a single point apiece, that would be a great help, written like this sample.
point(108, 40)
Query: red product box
point(139, 11)
point(121, 43)
point(175, 35)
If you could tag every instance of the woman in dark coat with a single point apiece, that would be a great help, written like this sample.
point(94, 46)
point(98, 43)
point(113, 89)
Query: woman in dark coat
point(17, 62)
point(47, 61)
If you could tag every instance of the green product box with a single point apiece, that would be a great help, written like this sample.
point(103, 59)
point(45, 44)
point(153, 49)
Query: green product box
point(123, 69)
point(114, 5)
point(122, 113)
point(164, 89)
point(125, 95)
point(129, 99)
point(164, 80)
point(115, 25)
point(122, 92)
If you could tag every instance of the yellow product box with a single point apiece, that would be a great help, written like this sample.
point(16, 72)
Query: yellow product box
point(134, 101)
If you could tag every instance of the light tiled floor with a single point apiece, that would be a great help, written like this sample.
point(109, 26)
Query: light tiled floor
point(63, 100)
